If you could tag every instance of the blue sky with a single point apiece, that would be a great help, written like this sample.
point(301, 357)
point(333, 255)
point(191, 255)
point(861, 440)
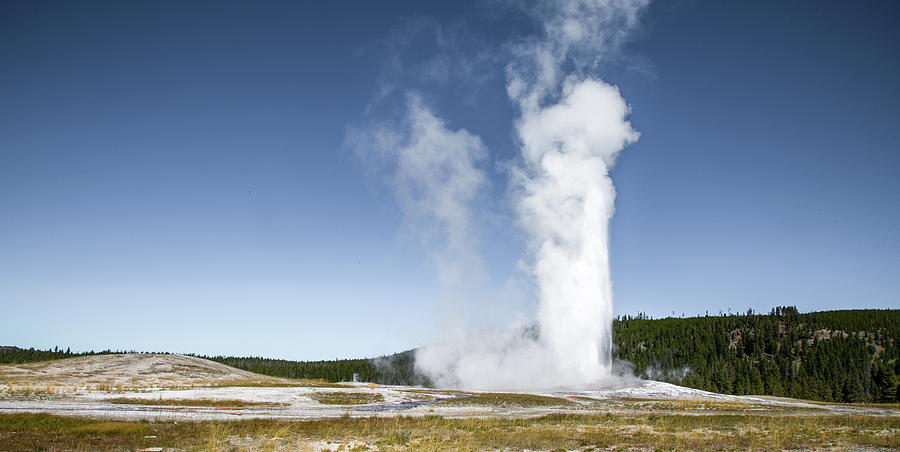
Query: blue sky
point(174, 176)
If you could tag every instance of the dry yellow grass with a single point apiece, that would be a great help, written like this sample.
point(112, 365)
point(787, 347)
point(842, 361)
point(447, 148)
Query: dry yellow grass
point(570, 432)
point(347, 398)
point(505, 400)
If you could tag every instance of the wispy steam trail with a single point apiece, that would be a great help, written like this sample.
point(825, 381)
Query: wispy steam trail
point(433, 172)
point(578, 36)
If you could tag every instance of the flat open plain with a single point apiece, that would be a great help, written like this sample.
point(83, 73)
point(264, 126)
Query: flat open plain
point(173, 402)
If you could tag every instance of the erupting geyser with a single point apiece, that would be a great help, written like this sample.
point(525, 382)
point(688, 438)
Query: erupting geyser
point(570, 127)
point(566, 204)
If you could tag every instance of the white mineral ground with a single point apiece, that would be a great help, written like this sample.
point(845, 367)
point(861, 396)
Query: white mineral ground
point(83, 386)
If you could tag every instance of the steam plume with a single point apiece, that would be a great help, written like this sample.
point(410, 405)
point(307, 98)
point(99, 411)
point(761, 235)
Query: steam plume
point(570, 128)
point(566, 205)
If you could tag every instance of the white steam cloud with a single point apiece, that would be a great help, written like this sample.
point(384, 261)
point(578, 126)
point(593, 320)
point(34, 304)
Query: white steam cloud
point(570, 128)
point(566, 206)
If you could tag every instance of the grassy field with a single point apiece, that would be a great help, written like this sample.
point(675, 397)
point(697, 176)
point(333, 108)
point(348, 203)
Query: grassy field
point(553, 432)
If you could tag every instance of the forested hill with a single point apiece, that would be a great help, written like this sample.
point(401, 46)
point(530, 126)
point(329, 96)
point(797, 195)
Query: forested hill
point(841, 356)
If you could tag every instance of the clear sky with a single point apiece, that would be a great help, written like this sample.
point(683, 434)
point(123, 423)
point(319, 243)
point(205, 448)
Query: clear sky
point(174, 176)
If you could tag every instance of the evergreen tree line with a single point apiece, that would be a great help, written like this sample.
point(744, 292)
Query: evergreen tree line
point(834, 356)
point(394, 369)
point(16, 355)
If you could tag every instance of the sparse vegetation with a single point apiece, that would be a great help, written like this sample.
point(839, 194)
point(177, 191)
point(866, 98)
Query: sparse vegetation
point(701, 406)
point(508, 400)
point(347, 398)
point(279, 383)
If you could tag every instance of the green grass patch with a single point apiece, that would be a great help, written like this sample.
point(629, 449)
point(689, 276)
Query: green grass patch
point(347, 398)
point(891, 406)
point(108, 428)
